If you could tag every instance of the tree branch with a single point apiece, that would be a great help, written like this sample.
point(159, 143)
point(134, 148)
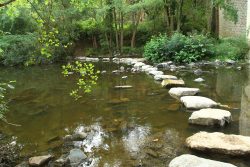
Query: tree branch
point(6, 3)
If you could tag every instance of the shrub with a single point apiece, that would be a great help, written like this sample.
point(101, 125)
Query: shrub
point(178, 48)
point(154, 50)
point(17, 49)
point(231, 48)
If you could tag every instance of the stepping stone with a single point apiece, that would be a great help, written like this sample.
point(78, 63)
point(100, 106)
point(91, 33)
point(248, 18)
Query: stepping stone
point(156, 73)
point(197, 102)
point(144, 68)
point(179, 92)
point(151, 69)
point(188, 160)
point(39, 160)
point(210, 117)
point(169, 83)
point(199, 80)
point(235, 145)
point(123, 87)
point(162, 77)
point(139, 64)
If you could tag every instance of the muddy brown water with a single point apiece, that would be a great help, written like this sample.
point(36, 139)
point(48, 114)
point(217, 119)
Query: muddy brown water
point(138, 126)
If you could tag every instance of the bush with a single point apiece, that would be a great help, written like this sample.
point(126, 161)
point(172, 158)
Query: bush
point(17, 49)
point(231, 48)
point(178, 48)
point(186, 49)
point(154, 50)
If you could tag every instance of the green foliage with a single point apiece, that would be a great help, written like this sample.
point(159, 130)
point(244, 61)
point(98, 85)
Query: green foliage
point(231, 48)
point(186, 49)
point(86, 74)
point(154, 50)
point(3, 103)
point(18, 49)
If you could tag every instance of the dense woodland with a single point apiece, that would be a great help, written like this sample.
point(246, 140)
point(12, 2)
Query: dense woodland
point(50, 30)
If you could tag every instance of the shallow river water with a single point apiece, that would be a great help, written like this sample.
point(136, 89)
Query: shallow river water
point(138, 126)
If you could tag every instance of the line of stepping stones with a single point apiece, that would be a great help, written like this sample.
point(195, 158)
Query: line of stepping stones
point(206, 115)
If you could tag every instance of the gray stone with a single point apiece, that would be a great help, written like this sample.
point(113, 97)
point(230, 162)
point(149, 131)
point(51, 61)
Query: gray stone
point(39, 160)
point(162, 77)
point(199, 80)
point(150, 69)
point(235, 145)
point(188, 160)
point(198, 72)
point(210, 117)
point(230, 62)
point(139, 65)
point(197, 102)
point(164, 65)
point(168, 83)
point(156, 73)
point(179, 92)
point(76, 157)
point(144, 68)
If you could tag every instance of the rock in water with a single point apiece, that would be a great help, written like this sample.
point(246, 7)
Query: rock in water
point(156, 73)
point(217, 142)
point(210, 117)
point(197, 102)
point(199, 80)
point(179, 92)
point(168, 83)
point(187, 160)
point(162, 77)
point(123, 87)
point(39, 160)
point(76, 157)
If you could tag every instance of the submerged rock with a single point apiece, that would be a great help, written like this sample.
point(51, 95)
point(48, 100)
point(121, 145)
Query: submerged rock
point(210, 117)
point(179, 92)
point(162, 77)
point(217, 142)
point(123, 87)
point(39, 160)
point(197, 102)
point(76, 157)
point(198, 72)
point(187, 160)
point(168, 83)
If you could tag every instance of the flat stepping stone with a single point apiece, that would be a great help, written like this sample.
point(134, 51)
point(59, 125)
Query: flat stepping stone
point(156, 73)
point(169, 83)
point(210, 117)
point(123, 87)
point(235, 145)
point(150, 69)
point(188, 160)
point(197, 102)
point(39, 160)
point(179, 92)
point(199, 80)
point(162, 77)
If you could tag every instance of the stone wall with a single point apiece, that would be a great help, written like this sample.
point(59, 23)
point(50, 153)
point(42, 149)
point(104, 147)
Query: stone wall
point(229, 28)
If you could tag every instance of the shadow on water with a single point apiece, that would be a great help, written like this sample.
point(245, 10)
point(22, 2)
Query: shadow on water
point(139, 126)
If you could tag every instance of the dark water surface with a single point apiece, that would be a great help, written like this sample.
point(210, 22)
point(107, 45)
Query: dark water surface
point(128, 120)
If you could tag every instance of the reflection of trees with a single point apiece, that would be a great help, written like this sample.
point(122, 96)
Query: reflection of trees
point(244, 121)
point(229, 85)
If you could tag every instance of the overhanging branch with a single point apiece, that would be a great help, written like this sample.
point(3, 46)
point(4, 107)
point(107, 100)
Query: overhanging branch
point(6, 3)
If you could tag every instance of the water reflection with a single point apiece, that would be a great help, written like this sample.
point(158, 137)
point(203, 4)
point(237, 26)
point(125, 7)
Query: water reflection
point(135, 138)
point(244, 120)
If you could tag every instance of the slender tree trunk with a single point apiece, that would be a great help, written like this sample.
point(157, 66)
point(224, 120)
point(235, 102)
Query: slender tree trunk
point(136, 24)
point(116, 30)
point(121, 33)
point(179, 16)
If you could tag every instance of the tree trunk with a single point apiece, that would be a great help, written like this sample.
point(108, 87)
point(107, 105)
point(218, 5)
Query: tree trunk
point(136, 24)
point(179, 16)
